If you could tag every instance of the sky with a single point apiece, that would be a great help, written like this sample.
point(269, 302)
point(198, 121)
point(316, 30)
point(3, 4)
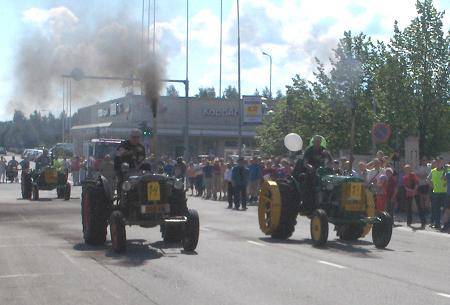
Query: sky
point(294, 32)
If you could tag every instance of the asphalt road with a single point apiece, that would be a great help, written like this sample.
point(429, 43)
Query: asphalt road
point(43, 261)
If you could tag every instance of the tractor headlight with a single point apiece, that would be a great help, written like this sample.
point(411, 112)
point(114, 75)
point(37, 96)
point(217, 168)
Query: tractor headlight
point(126, 186)
point(179, 185)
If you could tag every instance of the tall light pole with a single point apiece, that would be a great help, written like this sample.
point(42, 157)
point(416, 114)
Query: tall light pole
point(239, 81)
point(270, 74)
point(154, 25)
point(220, 65)
point(186, 88)
point(63, 107)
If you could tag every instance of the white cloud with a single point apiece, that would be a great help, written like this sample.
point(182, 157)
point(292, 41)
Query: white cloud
point(41, 16)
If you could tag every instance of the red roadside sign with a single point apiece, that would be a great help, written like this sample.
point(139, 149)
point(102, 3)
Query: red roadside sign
point(381, 132)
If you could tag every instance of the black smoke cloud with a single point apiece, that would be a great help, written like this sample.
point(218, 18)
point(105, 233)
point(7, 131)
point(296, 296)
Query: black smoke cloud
point(107, 46)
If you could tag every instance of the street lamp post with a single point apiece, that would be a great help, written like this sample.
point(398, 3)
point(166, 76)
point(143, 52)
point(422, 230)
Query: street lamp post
point(239, 82)
point(270, 74)
point(186, 88)
point(220, 64)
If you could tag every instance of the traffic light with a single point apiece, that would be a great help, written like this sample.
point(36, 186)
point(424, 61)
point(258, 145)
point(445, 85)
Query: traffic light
point(147, 132)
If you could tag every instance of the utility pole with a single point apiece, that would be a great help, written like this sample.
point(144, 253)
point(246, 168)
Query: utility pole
point(154, 25)
point(239, 82)
point(186, 88)
point(270, 74)
point(63, 107)
point(220, 65)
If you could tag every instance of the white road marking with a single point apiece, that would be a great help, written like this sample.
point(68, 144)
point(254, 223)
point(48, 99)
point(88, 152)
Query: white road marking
point(332, 264)
point(29, 245)
point(68, 257)
point(204, 229)
point(256, 243)
point(443, 295)
point(24, 218)
point(9, 276)
point(423, 232)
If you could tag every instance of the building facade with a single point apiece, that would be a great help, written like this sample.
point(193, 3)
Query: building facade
point(213, 124)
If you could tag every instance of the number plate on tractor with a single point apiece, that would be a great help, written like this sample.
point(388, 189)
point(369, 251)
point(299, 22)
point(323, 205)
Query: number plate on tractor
point(51, 176)
point(153, 193)
point(155, 209)
point(356, 191)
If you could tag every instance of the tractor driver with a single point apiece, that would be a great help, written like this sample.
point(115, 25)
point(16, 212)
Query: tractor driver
point(43, 160)
point(130, 151)
point(316, 155)
point(304, 171)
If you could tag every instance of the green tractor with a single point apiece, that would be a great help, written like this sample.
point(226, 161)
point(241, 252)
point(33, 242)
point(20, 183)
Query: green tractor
point(48, 179)
point(324, 198)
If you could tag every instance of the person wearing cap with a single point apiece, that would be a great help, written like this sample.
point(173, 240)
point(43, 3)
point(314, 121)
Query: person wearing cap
point(130, 151)
point(239, 178)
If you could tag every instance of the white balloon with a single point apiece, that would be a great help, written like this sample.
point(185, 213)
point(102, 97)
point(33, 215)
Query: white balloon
point(293, 142)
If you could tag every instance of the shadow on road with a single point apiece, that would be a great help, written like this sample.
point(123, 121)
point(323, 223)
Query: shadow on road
point(137, 253)
point(84, 247)
point(355, 248)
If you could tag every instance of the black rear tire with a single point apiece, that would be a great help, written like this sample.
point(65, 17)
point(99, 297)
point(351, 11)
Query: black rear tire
point(190, 238)
point(94, 213)
point(319, 227)
point(289, 211)
point(350, 232)
point(118, 232)
point(382, 231)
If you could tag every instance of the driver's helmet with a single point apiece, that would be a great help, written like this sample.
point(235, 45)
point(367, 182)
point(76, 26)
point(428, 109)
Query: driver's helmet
point(323, 142)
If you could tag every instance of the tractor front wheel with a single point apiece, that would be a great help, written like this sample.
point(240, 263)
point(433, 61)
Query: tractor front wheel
point(118, 233)
point(319, 227)
point(190, 238)
point(382, 230)
point(67, 191)
point(35, 193)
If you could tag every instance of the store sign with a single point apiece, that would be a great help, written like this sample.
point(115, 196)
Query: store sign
point(253, 113)
point(221, 112)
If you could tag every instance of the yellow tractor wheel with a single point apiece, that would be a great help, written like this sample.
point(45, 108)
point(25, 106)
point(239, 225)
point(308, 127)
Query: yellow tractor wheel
point(278, 209)
point(269, 209)
point(370, 211)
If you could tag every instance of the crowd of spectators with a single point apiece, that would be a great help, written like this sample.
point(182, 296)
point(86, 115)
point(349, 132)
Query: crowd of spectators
point(398, 188)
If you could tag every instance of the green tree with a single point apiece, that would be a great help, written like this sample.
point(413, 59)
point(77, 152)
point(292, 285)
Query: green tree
point(171, 91)
point(422, 49)
point(231, 93)
point(209, 92)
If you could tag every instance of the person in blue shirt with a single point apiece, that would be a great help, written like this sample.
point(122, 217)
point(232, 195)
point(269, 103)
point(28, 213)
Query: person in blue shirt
point(168, 168)
point(255, 176)
point(239, 179)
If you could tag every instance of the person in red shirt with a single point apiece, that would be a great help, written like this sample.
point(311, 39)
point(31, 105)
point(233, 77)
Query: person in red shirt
point(411, 185)
point(381, 196)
